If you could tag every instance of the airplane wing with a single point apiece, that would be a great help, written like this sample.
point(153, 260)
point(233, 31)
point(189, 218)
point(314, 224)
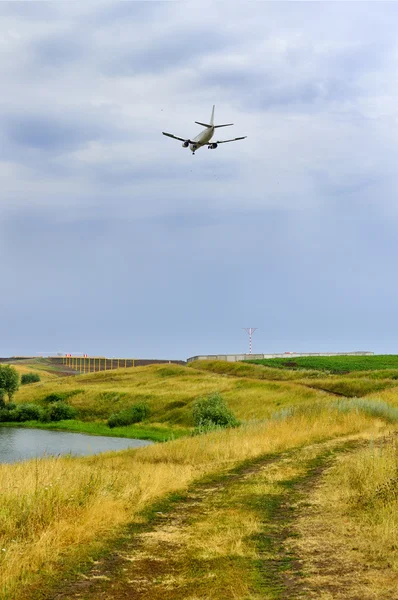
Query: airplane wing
point(225, 141)
point(175, 137)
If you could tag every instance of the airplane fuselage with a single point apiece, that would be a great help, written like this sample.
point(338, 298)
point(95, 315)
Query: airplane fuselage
point(202, 139)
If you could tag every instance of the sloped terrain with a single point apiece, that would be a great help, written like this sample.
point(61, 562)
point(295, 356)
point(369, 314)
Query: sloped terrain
point(170, 392)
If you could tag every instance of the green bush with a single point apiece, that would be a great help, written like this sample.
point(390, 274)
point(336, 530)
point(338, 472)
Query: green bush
point(6, 416)
point(23, 412)
point(54, 397)
point(134, 414)
point(28, 412)
point(59, 411)
point(120, 419)
point(33, 412)
point(212, 412)
point(30, 378)
point(60, 396)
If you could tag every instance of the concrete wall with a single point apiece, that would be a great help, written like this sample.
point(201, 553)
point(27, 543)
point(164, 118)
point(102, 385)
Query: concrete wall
point(240, 357)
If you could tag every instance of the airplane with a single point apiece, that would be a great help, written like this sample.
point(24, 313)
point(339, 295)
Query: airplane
point(203, 139)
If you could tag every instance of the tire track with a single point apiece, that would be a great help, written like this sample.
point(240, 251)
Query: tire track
point(158, 559)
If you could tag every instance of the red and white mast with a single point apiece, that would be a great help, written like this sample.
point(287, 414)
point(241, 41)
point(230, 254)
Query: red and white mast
point(250, 331)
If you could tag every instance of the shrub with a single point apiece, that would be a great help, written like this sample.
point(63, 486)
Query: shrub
point(120, 419)
point(23, 412)
point(54, 397)
point(30, 378)
point(59, 411)
point(134, 414)
point(212, 412)
point(28, 412)
point(7, 416)
point(60, 396)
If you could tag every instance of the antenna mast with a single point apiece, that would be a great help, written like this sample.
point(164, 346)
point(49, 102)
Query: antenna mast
point(250, 331)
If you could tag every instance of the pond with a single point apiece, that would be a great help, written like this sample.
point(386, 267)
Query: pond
point(18, 444)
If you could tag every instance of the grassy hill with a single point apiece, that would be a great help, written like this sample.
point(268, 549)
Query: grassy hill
point(169, 391)
point(252, 391)
point(352, 384)
point(44, 369)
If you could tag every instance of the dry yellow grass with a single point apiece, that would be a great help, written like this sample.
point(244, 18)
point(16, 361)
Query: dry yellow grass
point(349, 537)
point(170, 392)
point(390, 396)
point(368, 488)
point(23, 368)
point(53, 507)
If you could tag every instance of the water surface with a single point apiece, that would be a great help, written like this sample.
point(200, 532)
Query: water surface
point(17, 443)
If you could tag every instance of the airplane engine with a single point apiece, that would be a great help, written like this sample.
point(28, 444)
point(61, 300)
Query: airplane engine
point(213, 146)
point(185, 144)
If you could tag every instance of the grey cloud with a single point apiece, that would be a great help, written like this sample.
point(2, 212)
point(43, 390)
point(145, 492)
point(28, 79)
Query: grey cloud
point(265, 85)
point(47, 133)
point(58, 130)
point(292, 230)
point(165, 53)
point(57, 50)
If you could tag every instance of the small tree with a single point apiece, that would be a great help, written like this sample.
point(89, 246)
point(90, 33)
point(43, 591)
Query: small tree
point(9, 380)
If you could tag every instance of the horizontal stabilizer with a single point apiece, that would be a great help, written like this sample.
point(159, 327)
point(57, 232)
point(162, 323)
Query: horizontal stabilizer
point(204, 124)
point(226, 125)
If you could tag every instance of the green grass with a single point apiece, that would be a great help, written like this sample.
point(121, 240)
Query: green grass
point(356, 383)
point(144, 432)
point(252, 371)
point(350, 387)
point(170, 393)
point(332, 364)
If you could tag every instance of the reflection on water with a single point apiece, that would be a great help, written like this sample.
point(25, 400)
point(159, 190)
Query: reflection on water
point(20, 444)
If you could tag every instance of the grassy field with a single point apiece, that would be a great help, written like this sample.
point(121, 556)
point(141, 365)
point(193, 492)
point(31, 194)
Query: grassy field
point(170, 391)
point(252, 371)
point(46, 372)
point(64, 508)
point(333, 364)
point(58, 513)
point(353, 384)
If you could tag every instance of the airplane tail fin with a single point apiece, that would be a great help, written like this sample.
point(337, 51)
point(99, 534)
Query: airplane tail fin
point(211, 124)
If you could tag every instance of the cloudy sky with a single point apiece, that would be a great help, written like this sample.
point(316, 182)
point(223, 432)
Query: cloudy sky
point(115, 240)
